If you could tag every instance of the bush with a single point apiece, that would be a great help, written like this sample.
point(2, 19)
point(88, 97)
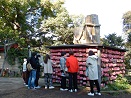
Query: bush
point(121, 83)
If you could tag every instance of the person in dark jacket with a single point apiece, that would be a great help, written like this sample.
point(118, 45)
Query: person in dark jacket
point(32, 76)
point(38, 71)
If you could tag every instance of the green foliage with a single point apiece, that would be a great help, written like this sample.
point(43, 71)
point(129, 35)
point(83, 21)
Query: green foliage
point(129, 38)
point(113, 40)
point(105, 79)
point(127, 61)
point(36, 22)
point(78, 20)
point(58, 26)
point(127, 22)
point(127, 31)
point(14, 53)
point(17, 22)
point(13, 20)
point(121, 83)
point(127, 17)
point(11, 56)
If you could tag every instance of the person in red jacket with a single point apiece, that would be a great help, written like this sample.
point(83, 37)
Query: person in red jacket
point(72, 65)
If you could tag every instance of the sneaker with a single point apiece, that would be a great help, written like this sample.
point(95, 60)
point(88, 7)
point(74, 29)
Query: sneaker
point(51, 87)
point(26, 85)
point(66, 89)
point(75, 90)
point(71, 90)
point(98, 93)
point(30, 87)
point(45, 87)
point(34, 88)
point(37, 87)
point(91, 94)
point(61, 89)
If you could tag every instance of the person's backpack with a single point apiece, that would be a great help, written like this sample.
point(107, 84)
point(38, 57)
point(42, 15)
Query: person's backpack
point(29, 67)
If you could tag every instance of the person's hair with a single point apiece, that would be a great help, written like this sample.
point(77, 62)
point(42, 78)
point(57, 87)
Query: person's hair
point(63, 53)
point(24, 57)
point(46, 58)
point(71, 53)
point(91, 53)
point(28, 60)
point(37, 56)
point(34, 54)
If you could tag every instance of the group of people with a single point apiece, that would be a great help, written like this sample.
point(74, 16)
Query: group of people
point(31, 77)
point(69, 68)
point(70, 65)
point(31, 74)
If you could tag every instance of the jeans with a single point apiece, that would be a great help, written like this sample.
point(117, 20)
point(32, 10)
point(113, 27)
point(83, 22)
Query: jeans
point(32, 77)
point(48, 79)
point(37, 78)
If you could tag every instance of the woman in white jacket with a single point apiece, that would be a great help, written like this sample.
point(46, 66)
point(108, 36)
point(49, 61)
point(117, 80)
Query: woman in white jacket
point(91, 63)
point(48, 70)
point(24, 74)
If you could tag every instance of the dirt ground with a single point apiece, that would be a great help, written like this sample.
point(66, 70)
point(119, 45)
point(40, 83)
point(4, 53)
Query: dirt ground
point(14, 88)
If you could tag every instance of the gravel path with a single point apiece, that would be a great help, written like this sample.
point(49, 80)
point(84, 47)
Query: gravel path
point(14, 88)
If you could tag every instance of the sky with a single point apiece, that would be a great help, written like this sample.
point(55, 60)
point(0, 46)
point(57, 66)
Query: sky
point(109, 12)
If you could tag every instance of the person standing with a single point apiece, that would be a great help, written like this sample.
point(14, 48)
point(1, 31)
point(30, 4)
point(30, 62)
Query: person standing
point(37, 71)
point(48, 70)
point(91, 63)
point(63, 71)
point(72, 65)
point(32, 76)
point(24, 74)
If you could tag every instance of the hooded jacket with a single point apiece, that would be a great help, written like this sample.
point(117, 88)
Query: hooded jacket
point(91, 63)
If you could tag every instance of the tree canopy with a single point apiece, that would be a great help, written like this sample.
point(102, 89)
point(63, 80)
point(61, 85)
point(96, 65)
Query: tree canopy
point(127, 30)
point(113, 40)
point(35, 22)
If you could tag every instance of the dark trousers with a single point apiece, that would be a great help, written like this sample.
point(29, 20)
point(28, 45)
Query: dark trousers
point(25, 76)
point(73, 81)
point(48, 79)
point(92, 85)
point(63, 82)
point(37, 78)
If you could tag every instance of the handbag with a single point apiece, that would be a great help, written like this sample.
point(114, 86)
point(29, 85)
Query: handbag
point(29, 67)
point(43, 74)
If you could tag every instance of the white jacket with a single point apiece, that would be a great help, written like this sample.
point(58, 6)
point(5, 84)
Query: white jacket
point(92, 67)
point(24, 66)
